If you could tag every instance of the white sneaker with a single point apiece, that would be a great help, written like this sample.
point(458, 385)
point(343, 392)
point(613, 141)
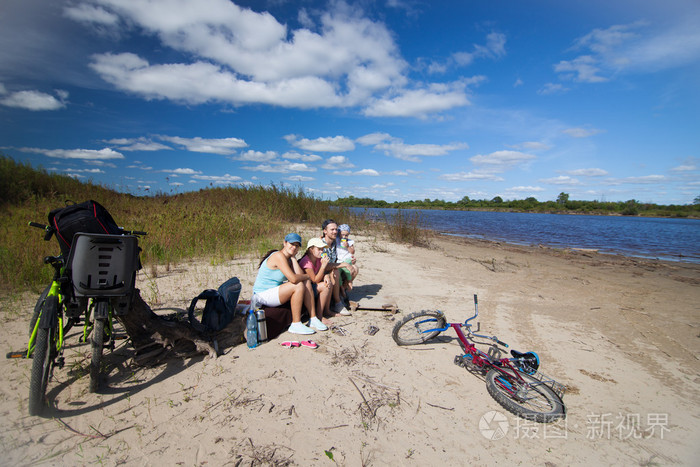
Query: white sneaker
point(300, 328)
point(317, 324)
point(338, 307)
point(344, 312)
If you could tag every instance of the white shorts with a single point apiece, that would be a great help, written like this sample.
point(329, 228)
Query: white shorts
point(269, 297)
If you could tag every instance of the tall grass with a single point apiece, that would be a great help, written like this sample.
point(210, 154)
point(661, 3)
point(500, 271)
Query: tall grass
point(223, 223)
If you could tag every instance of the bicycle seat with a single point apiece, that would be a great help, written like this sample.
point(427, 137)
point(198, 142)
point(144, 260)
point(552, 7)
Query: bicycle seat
point(529, 361)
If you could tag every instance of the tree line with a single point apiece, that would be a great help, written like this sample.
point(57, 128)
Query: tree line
point(562, 205)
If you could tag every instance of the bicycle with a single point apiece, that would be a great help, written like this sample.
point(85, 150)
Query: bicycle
point(515, 383)
point(96, 282)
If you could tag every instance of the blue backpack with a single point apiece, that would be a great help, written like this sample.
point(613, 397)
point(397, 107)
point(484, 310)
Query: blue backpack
point(220, 307)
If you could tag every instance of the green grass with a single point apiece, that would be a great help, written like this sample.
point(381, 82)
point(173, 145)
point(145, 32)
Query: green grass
point(216, 223)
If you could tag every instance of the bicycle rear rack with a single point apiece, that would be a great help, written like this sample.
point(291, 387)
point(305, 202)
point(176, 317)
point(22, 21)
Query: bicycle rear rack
point(558, 388)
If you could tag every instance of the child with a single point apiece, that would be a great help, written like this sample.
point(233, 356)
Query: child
point(315, 265)
point(346, 254)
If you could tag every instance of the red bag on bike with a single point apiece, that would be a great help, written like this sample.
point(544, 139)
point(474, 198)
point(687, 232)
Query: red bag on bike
point(89, 217)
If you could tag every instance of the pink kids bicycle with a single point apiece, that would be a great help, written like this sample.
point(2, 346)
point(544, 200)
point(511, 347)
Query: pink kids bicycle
point(514, 382)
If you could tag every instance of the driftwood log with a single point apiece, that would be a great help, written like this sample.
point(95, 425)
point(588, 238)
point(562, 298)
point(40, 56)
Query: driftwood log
point(152, 334)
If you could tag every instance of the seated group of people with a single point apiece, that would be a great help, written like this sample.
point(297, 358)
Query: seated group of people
point(325, 272)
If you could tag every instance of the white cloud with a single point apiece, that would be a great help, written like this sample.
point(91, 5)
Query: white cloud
point(373, 138)
point(337, 162)
point(34, 100)
point(281, 166)
point(323, 144)
point(84, 154)
point(581, 132)
point(416, 103)
point(635, 47)
point(182, 171)
point(258, 156)
point(552, 88)
point(300, 178)
point(500, 161)
point(223, 146)
point(365, 172)
point(588, 172)
point(302, 157)
point(560, 180)
point(339, 58)
point(412, 152)
point(218, 179)
point(532, 146)
point(137, 144)
point(469, 176)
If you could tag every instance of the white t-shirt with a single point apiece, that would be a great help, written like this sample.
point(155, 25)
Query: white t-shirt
point(342, 249)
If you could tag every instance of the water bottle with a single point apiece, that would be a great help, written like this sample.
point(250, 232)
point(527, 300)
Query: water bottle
point(251, 333)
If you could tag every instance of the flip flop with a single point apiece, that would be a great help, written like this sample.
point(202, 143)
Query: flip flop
point(309, 344)
point(290, 344)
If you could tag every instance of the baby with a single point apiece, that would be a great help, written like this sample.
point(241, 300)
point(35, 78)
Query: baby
point(346, 254)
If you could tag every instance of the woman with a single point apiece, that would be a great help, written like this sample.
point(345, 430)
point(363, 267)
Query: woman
point(281, 280)
point(315, 264)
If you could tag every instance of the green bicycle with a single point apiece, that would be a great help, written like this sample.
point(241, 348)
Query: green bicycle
point(96, 282)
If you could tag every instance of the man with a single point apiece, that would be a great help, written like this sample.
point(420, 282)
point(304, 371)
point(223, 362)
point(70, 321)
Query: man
point(329, 235)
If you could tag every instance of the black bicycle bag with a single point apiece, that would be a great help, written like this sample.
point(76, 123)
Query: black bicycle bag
point(88, 216)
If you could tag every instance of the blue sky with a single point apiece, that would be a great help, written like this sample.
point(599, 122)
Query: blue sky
point(394, 99)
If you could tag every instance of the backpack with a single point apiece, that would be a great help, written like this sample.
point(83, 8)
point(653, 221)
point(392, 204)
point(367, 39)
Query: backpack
point(89, 217)
point(220, 307)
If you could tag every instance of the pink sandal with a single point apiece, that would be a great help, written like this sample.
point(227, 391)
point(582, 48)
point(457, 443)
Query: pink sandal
point(290, 344)
point(309, 344)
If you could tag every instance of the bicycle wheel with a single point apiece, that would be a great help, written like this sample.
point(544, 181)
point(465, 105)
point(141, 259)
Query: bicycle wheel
point(410, 330)
point(98, 336)
point(37, 308)
point(533, 400)
point(43, 356)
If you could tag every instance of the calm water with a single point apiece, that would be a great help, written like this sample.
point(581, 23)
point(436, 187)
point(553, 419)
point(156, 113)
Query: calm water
point(669, 239)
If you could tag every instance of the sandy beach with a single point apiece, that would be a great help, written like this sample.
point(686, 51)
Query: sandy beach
point(622, 334)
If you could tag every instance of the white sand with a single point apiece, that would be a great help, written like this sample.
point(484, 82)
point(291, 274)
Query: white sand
point(622, 334)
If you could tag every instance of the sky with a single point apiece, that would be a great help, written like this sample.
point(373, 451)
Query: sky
point(388, 99)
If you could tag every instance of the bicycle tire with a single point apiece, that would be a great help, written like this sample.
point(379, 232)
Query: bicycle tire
point(37, 308)
point(43, 356)
point(408, 331)
point(98, 336)
point(535, 401)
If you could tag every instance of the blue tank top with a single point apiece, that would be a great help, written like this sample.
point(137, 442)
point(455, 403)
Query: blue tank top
point(268, 278)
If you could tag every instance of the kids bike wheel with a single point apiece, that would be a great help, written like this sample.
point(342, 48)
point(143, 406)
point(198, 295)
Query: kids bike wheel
point(532, 400)
point(418, 327)
point(98, 336)
point(43, 356)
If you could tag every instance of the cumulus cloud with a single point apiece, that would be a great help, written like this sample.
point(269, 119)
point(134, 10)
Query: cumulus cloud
point(218, 179)
point(363, 172)
point(337, 162)
point(235, 55)
point(182, 171)
point(323, 144)
point(84, 154)
point(417, 103)
point(137, 144)
point(223, 146)
point(281, 166)
point(33, 100)
point(500, 161)
point(395, 147)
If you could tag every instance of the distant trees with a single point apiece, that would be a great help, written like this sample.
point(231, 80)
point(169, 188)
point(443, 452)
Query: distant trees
point(696, 200)
point(562, 204)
